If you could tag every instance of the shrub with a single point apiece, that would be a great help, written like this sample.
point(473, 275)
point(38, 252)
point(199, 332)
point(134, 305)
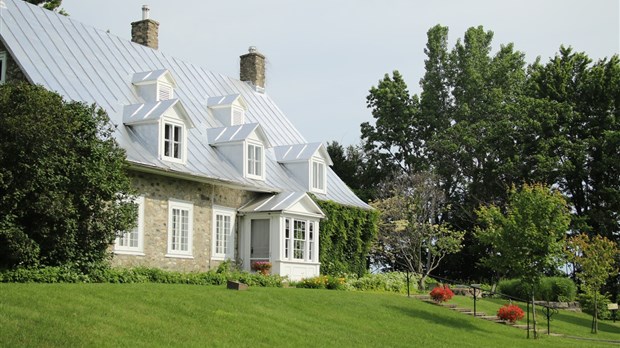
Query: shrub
point(262, 267)
point(510, 312)
point(441, 294)
point(392, 282)
point(323, 282)
point(586, 301)
point(550, 289)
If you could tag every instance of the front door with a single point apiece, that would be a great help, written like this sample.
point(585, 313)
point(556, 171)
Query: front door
point(259, 240)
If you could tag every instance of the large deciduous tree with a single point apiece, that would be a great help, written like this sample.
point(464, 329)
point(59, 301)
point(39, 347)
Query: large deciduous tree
point(410, 236)
point(64, 193)
point(527, 239)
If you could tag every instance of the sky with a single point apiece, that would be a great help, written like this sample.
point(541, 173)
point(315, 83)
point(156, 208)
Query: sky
point(324, 55)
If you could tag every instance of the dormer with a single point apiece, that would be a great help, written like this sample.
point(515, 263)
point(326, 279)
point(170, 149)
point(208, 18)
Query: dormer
point(155, 85)
point(162, 126)
point(244, 146)
point(229, 110)
point(308, 163)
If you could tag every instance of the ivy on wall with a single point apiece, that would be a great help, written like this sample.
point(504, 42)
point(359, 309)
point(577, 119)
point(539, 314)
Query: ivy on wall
point(346, 236)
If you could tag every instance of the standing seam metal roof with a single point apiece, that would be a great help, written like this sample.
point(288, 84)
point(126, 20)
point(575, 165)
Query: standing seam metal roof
point(86, 64)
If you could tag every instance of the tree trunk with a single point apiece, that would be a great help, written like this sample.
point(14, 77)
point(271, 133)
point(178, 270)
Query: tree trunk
point(422, 283)
point(534, 316)
point(595, 315)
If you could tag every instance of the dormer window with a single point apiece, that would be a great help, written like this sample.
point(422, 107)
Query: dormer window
point(155, 85)
point(255, 161)
point(173, 141)
point(228, 110)
point(318, 176)
point(3, 61)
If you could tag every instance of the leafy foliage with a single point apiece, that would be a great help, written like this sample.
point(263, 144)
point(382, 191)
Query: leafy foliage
point(555, 289)
point(345, 239)
point(510, 312)
point(52, 5)
point(63, 185)
point(409, 237)
point(527, 239)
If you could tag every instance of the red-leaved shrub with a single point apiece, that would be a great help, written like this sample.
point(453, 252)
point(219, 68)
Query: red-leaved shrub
point(510, 312)
point(441, 294)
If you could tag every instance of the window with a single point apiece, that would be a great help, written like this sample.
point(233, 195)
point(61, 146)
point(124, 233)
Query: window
point(180, 216)
point(318, 176)
point(3, 62)
point(223, 233)
point(132, 242)
point(173, 141)
point(255, 161)
point(300, 240)
point(164, 91)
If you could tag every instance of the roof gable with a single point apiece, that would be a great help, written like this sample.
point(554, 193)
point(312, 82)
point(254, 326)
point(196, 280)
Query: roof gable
point(235, 134)
point(153, 111)
point(302, 153)
point(146, 77)
point(227, 101)
point(287, 202)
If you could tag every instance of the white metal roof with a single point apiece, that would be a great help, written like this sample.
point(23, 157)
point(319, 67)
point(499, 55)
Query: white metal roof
point(86, 64)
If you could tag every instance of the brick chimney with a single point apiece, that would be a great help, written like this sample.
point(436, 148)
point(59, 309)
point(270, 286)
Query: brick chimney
point(252, 68)
point(146, 31)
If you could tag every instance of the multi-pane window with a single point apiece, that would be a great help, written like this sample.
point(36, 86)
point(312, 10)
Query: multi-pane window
point(287, 238)
point(255, 160)
point(318, 176)
point(179, 228)
point(299, 239)
point(223, 233)
point(132, 241)
point(173, 141)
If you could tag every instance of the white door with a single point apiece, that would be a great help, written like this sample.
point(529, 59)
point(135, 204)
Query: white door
point(259, 240)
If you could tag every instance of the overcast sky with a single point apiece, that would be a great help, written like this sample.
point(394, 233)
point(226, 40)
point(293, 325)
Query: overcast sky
point(324, 55)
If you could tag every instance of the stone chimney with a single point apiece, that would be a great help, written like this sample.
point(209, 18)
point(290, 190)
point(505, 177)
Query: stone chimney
point(252, 68)
point(146, 31)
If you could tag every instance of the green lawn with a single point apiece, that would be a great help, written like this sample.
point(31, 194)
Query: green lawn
point(68, 315)
point(564, 322)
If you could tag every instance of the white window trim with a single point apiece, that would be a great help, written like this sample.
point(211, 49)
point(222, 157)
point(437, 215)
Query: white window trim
point(177, 204)
point(246, 169)
point(324, 174)
point(290, 242)
point(139, 250)
point(162, 140)
point(230, 252)
point(3, 58)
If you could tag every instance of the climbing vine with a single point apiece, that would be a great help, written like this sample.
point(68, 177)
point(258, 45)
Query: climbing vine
point(345, 239)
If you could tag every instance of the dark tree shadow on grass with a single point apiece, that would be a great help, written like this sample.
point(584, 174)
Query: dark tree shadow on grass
point(431, 316)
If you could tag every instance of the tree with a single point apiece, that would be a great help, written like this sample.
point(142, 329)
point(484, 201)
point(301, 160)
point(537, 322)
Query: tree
point(527, 239)
point(409, 235)
point(52, 5)
point(595, 259)
point(63, 186)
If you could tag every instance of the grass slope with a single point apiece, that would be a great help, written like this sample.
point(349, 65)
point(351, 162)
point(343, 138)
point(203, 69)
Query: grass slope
point(150, 315)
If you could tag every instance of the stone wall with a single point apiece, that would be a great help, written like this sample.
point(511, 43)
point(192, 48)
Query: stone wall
point(13, 72)
point(157, 190)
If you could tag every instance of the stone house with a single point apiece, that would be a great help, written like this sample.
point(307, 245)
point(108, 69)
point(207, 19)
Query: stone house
point(221, 172)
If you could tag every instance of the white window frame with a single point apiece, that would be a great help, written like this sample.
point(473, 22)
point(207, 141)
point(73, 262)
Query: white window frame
point(182, 142)
point(251, 162)
point(321, 178)
point(173, 205)
point(119, 248)
point(310, 242)
point(4, 60)
point(229, 252)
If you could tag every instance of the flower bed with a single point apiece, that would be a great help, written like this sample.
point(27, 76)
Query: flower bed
point(441, 294)
point(510, 312)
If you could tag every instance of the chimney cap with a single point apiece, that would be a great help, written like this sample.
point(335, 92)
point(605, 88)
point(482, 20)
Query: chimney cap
point(145, 12)
point(252, 49)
